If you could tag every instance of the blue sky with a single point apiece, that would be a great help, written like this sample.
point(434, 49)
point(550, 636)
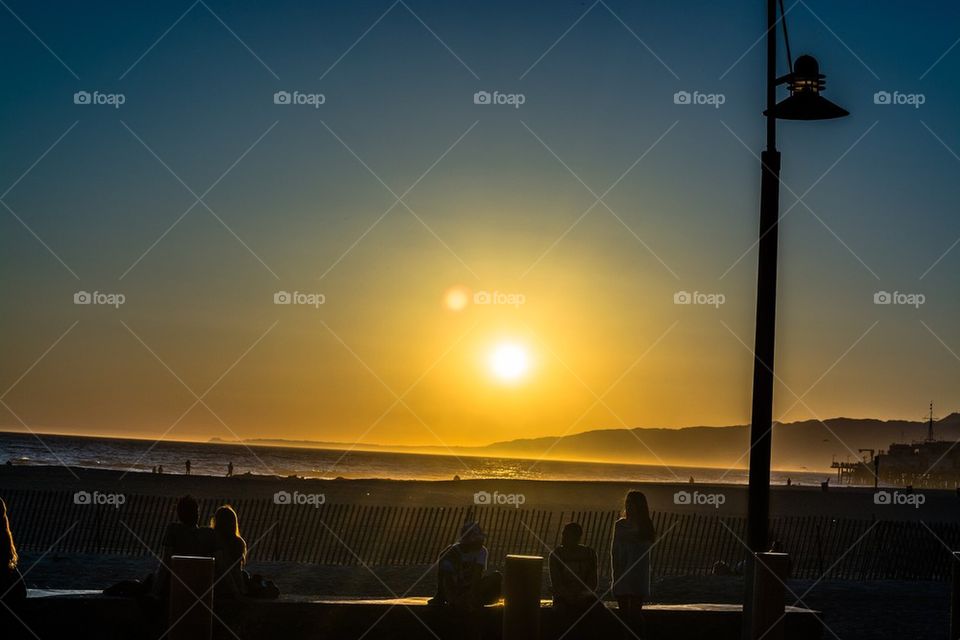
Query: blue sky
point(300, 200)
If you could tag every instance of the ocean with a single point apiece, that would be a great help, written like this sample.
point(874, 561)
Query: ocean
point(212, 458)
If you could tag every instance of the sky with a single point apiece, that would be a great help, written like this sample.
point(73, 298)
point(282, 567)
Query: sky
point(463, 270)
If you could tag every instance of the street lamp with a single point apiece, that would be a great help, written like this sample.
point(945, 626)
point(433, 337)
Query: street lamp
point(805, 103)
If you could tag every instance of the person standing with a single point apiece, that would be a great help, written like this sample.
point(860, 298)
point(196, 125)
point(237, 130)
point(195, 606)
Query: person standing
point(187, 465)
point(633, 536)
point(230, 469)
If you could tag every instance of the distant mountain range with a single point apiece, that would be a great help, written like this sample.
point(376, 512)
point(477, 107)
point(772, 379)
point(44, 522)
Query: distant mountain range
point(808, 444)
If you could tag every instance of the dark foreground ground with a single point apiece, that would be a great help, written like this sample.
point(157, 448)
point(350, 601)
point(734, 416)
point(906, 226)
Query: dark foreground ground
point(881, 610)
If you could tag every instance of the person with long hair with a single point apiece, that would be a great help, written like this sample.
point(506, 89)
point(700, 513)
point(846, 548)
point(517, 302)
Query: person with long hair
point(12, 587)
point(231, 552)
point(633, 536)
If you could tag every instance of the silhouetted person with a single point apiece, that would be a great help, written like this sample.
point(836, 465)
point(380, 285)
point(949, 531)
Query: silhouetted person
point(160, 469)
point(573, 572)
point(183, 538)
point(187, 465)
point(230, 469)
point(12, 587)
point(633, 536)
point(461, 583)
point(231, 553)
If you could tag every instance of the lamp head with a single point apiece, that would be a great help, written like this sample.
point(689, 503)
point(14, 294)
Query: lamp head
point(805, 102)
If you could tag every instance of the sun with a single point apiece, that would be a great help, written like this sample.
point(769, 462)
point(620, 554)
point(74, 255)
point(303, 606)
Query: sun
point(509, 362)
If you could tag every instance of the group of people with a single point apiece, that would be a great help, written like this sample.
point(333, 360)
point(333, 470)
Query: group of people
point(221, 541)
point(464, 585)
point(188, 467)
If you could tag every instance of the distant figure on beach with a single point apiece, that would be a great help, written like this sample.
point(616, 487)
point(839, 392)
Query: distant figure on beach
point(692, 481)
point(230, 469)
point(789, 481)
point(461, 583)
point(160, 469)
point(230, 554)
point(573, 572)
point(183, 538)
point(12, 587)
point(633, 536)
point(187, 465)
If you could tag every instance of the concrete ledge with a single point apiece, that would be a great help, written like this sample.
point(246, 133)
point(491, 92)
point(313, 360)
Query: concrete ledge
point(64, 614)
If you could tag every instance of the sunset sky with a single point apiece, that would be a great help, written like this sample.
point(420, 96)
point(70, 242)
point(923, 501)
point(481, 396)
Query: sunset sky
point(399, 203)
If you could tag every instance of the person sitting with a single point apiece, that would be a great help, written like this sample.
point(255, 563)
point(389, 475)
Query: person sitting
point(573, 572)
point(183, 538)
point(12, 587)
point(461, 583)
point(231, 554)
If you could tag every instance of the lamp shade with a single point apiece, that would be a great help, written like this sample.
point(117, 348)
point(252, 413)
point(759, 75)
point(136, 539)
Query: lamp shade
point(805, 102)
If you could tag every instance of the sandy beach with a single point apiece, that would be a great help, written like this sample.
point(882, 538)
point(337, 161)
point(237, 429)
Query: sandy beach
point(839, 502)
point(845, 603)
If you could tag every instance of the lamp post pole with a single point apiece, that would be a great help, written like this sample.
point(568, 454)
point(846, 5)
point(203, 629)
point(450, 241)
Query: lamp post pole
point(758, 500)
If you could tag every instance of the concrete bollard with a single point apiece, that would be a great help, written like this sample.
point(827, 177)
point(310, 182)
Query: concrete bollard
point(521, 597)
point(767, 613)
point(189, 619)
point(955, 599)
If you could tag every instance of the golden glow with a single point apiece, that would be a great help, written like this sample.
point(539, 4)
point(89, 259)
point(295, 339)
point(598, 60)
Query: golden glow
point(456, 298)
point(509, 362)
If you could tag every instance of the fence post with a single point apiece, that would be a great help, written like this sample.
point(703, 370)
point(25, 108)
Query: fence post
point(191, 598)
point(766, 619)
point(521, 597)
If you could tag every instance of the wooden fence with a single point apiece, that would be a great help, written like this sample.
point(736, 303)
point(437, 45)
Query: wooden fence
point(345, 534)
